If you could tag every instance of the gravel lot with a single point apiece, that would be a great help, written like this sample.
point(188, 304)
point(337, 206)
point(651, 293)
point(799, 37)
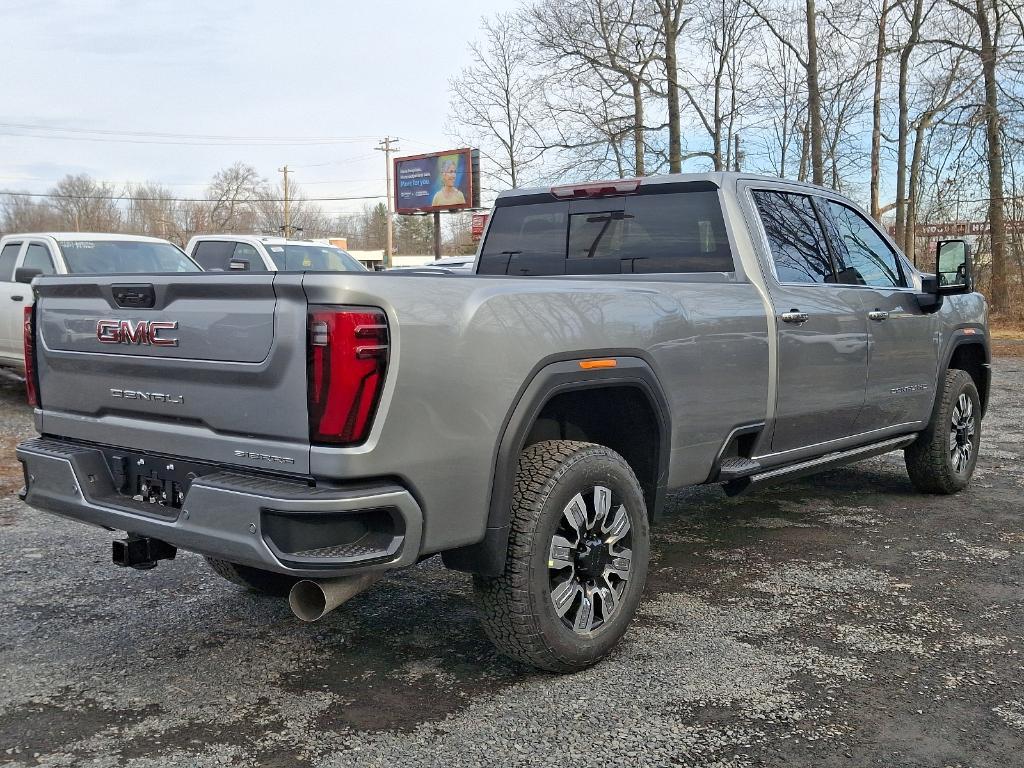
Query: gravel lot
point(842, 620)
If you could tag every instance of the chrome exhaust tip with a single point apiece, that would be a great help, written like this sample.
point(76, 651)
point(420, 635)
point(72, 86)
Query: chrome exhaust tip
point(312, 599)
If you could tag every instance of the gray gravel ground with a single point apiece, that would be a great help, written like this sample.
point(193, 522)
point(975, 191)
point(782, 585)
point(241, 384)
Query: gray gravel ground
point(839, 621)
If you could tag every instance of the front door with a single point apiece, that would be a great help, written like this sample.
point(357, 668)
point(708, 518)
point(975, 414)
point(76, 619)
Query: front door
point(822, 338)
point(903, 340)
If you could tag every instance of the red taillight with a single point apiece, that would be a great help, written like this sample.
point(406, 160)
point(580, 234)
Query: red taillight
point(31, 388)
point(597, 189)
point(348, 358)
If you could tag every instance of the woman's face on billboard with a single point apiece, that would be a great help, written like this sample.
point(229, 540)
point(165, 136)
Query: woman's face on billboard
point(448, 175)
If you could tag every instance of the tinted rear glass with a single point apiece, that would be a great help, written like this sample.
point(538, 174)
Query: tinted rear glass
point(116, 256)
point(636, 234)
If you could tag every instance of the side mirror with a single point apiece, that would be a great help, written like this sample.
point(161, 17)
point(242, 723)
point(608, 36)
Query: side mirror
point(238, 265)
point(953, 267)
point(929, 299)
point(25, 274)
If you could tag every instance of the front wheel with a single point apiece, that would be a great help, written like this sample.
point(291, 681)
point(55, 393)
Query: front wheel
point(576, 561)
point(943, 457)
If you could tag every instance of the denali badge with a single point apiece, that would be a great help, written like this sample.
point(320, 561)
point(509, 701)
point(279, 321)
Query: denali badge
point(142, 332)
point(156, 397)
point(264, 457)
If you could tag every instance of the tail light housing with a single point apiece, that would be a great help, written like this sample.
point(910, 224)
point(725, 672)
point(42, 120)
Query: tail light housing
point(347, 361)
point(29, 337)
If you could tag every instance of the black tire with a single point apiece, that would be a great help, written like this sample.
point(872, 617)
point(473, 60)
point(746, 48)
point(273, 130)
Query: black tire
point(935, 461)
point(519, 614)
point(256, 579)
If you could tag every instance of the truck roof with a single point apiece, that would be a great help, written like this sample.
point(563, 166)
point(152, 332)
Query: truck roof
point(61, 236)
point(268, 239)
point(717, 178)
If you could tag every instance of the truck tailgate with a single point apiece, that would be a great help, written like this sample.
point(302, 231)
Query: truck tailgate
point(212, 369)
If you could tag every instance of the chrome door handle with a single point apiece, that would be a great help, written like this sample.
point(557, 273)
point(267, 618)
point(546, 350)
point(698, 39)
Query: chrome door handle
point(795, 316)
point(878, 315)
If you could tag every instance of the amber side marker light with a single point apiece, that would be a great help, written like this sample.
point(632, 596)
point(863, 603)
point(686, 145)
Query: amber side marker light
point(588, 365)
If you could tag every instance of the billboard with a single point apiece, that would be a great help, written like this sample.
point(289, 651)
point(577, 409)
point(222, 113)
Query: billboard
point(439, 181)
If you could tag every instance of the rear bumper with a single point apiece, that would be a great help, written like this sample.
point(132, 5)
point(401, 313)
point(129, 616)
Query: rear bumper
point(278, 525)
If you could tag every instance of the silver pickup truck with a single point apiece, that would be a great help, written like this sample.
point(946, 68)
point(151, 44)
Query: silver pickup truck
point(307, 432)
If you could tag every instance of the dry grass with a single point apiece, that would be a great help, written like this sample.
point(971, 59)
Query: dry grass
point(1003, 327)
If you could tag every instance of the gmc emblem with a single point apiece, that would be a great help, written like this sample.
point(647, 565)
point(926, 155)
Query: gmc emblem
point(142, 332)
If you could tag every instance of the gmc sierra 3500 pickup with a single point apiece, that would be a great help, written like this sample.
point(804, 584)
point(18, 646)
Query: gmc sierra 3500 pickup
point(308, 432)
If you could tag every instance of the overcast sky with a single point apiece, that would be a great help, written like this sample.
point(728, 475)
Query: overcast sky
point(355, 69)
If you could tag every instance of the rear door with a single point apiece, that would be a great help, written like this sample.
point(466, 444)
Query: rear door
point(903, 347)
point(12, 300)
point(202, 365)
point(822, 340)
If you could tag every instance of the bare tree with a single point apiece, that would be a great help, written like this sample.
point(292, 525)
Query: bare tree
point(85, 205)
point(494, 102)
point(805, 50)
point(618, 41)
point(234, 194)
point(721, 41)
point(998, 26)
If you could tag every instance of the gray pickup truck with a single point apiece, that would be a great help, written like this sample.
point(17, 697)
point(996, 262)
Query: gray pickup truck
point(307, 432)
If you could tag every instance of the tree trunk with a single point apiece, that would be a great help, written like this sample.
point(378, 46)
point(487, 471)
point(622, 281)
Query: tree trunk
point(675, 143)
point(910, 239)
point(876, 117)
point(999, 292)
point(638, 125)
point(903, 125)
point(814, 96)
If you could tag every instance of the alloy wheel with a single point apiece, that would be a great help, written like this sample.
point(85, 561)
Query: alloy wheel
point(961, 433)
point(589, 560)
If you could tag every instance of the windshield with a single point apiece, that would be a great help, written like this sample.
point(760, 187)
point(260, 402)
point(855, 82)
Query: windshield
point(312, 258)
point(114, 256)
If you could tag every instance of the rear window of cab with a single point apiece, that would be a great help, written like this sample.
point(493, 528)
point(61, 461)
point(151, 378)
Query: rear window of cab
point(629, 234)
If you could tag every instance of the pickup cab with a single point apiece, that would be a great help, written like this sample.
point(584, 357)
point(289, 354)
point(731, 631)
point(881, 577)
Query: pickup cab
point(255, 253)
point(307, 431)
point(24, 256)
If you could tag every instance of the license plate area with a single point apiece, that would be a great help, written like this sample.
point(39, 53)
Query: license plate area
point(153, 480)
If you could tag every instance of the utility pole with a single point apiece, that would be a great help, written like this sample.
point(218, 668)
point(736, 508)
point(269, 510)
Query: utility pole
point(384, 145)
point(287, 211)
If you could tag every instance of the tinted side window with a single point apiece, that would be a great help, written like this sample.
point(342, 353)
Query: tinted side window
point(795, 236)
point(526, 240)
point(246, 252)
point(654, 233)
point(38, 257)
point(214, 254)
point(864, 257)
point(8, 257)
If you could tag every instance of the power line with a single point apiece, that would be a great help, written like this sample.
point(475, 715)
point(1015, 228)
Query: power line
point(116, 198)
point(156, 137)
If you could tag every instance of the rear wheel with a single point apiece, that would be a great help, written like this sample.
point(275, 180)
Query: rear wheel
point(256, 579)
point(943, 457)
point(576, 561)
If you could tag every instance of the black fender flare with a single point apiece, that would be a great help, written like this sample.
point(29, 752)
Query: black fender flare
point(971, 334)
point(553, 377)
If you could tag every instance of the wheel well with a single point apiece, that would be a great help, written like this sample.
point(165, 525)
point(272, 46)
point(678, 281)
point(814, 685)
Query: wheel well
point(618, 417)
point(971, 358)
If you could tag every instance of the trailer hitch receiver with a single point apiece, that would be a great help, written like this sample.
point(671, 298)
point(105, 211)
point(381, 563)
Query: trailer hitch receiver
point(141, 552)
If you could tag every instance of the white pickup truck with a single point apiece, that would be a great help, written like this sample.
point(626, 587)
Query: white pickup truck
point(24, 256)
point(256, 253)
